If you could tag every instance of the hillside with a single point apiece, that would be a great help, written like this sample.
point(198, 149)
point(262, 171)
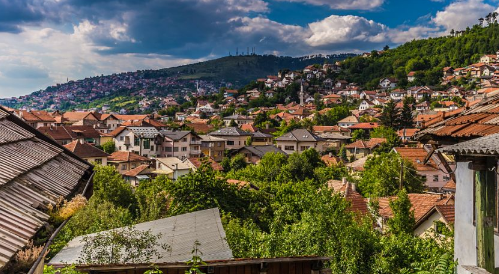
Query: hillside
point(426, 56)
point(243, 69)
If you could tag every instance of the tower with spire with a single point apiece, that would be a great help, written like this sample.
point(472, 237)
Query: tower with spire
point(302, 94)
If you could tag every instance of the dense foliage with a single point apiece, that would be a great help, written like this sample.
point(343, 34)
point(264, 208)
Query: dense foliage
point(427, 57)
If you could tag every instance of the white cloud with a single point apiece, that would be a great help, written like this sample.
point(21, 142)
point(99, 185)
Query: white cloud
point(344, 4)
point(343, 29)
point(399, 36)
point(461, 14)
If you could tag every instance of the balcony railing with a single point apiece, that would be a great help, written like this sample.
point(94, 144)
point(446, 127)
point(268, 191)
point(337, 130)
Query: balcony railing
point(195, 152)
point(195, 142)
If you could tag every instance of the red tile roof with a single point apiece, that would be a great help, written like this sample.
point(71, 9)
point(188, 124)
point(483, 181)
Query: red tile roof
point(358, 204)
point(447, 212)
point(331, 160)
point(85, 150)
point(126, 156)
point(417, 155)
point(198, 161)
point(70, 132)
point(136, 171)
point(364, 126)
point(370, 144)
point(421, 204)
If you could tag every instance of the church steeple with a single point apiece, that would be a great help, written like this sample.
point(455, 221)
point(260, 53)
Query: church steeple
point(302, 94)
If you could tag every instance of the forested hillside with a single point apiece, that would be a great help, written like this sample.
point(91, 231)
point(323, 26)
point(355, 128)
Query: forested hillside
point(427, 57)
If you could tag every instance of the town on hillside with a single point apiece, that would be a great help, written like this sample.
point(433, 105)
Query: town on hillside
point(297, 172)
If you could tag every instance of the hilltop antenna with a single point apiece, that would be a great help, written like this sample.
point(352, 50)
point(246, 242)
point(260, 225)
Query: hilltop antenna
point(237, 51)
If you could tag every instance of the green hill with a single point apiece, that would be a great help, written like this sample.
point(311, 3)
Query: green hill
point(427, 57)
point(243, 69)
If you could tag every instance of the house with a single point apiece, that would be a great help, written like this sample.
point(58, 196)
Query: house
point(253, 154)
point(366, 127)
point(36, 118)
point(196, 163)
point(366, 104)
point(411, 76)
point(348, 121)
point(88, 152)
point(407, 134)
point(172, 167)
point(213, 147)
point(140, 173)
point(204, 106)
point(334, 140)
point(358, 204)
point(387, 83)
point(423, 106)
point(398, 94)
point(421, 204)
point(433, 220)
point(181, 144)
point(434, 178)
point(238, 119)
point(331, 160)
point(66, 134)
point(139, 140)
point(299, 140)
point(124, 161)
point(361, 148)
point(79, 118)
point(235, 137)
point(487, 59)
point(36, 172)
point(261, 139)
point(448, 71)
point(476, 202)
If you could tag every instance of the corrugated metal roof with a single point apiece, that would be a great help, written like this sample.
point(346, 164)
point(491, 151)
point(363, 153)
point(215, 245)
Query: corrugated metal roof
point(178, 232)
point(34, 172)
point(488, 145)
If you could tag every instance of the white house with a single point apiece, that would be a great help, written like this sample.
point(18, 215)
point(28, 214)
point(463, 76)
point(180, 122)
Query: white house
point(366, 104)
point(387, 83)
point(139, 140)
point(348, 121)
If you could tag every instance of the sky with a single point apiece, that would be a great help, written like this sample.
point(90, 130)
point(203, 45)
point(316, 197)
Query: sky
point(44, 42)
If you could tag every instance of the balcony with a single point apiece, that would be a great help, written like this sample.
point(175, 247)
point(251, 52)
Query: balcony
point(195, 152)
point(196, 143)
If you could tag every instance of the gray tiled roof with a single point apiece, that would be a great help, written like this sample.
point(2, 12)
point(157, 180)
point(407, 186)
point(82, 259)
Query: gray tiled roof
point(34, 172)
point(301, 135)
point(488, 145)
point(260, 151)
point(260, 134)
point(230, 131)
point(178, 232)
point(175, 134)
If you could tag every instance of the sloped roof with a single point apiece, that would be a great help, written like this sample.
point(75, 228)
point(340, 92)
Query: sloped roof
point(85, 150)
point(417, 156)
point(144, 132)
point(300, 135)
point(35, 116)
point(260, 151)
point(421, 204)
point(136, 171)
point(126, 156)
point(34, 172)
point(480, 120)
point(70, 132)
point(197, 162)
point(175, 135)
point(349, 119)
point(331, 160)
point(178, 232)
point(370, 144)
point(358, 204)
point(173, 163)
point(74, 116)
point(230, 131)
point(488, 145)
point(364, 126)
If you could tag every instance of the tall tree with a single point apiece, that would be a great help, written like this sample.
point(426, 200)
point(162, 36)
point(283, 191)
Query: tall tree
point(406, 118)
point(403, 220)
point(389, 116)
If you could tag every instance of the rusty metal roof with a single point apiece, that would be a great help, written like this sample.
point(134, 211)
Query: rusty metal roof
point(34, 172)
point(481, 119)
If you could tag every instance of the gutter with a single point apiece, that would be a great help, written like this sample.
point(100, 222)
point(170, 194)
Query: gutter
point(56, 232)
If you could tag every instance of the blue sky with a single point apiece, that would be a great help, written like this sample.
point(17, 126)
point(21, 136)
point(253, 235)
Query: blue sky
point(43, 42)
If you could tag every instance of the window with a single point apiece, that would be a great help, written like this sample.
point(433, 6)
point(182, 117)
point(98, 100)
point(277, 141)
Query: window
point(119, 148)
point(230, 143)
point(122, 138)
point(123, 167)
point(152, 148)
point(136, 141)
point(98, 161)
point(435, 178)
point(147, 143)
point(289, 148)
point(175, 149)
point(219, 144)
point(303, 148)
point(168, 149)
point(184, 148)
point(184, 140)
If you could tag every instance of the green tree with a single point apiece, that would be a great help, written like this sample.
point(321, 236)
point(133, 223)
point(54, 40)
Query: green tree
point(238, 162)
point(109, 147)
point(406, 118)
point(110, 186)
point(381, 176)
point(358, 134)
point(403, 220)
point(390, 115)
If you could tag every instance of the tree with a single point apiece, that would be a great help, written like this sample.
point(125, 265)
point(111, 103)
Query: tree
point(110, 186)
point(238, 162)
point(403, 220)
point(233, 123)
point(381, 176)
point(406, 118)
point(389, 116)
point(121, 246)
point(358, 134)
point(386, 47)
point(109, 147)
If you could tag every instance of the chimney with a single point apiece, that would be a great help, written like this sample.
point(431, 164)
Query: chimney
point(354, 187)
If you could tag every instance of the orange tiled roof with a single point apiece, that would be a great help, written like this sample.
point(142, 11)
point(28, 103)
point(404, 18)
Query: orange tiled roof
point(370, 144)
point(421, 204)
point(417, 155)
point(331, 160)
point(126, 156)
point(198, 161)
point(136, 171)
point(357, 203)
